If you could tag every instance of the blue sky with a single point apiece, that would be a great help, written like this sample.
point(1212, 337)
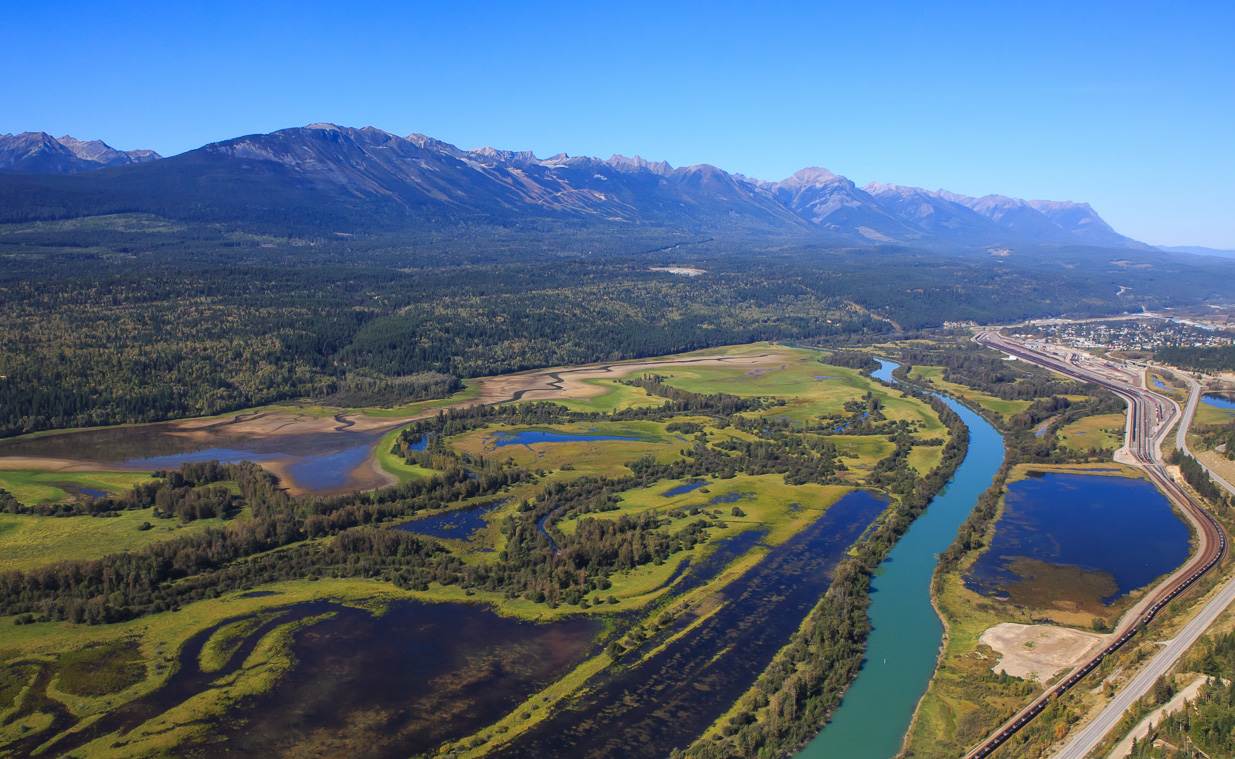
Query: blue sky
point(1127, 105)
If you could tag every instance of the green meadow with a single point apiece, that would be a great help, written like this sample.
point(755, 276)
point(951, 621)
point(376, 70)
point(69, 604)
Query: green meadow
point(31, 487)
point(1104, 431)
point(28, 541)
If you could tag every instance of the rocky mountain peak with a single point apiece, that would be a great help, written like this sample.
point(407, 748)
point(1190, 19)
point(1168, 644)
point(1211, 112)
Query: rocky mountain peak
point(813, 176)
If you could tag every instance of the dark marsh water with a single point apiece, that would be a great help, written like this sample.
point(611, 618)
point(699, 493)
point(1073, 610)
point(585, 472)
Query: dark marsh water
point(400, 684)
point(458, 524)
point(664, 702)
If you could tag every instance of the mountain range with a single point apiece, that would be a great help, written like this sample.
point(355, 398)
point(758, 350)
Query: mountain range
point(40, 153)
point(325, 177)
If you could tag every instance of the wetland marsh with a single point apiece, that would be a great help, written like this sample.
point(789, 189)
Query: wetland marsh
point(606, 567)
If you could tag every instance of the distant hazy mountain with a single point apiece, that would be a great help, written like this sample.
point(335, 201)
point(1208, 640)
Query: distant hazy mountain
point(1197, 250)
point(835, 204)
point(327, 177)
point(40, 153)
point(934, 214)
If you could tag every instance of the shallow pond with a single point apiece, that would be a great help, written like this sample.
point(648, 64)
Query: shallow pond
point(1219, 400)
point(452, 525)
point(320, 462)
point(685, 487)
point(532, 437)
point(1120, 534)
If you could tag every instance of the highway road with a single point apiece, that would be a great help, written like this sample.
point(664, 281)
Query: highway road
point(1087, 738)
point(1150, 418)
point(1181, 435)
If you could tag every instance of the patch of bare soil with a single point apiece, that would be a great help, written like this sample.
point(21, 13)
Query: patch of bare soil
point(1039, 652)
point(56, 465)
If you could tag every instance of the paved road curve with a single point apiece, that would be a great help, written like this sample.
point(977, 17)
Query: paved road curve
point(1181, 435)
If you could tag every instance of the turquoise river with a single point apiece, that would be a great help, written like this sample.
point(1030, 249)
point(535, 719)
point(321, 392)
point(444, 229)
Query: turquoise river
point(903, 646)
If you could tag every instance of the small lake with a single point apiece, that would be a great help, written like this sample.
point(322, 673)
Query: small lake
point(1219, 400)
point(452, 525)
point(318, 462)
point(685, 487)
point(532, 437)
point(1119, 532)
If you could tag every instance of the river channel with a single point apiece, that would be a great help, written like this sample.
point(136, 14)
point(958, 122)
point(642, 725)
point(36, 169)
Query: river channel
point(904, 643)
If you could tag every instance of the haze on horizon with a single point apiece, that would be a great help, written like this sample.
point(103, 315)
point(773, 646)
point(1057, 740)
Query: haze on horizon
point(1126, 106)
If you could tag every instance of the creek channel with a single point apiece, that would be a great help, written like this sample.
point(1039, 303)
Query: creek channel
point(906, 632)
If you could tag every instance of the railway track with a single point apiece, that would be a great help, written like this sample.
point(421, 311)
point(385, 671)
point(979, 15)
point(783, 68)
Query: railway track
point(1150, 417)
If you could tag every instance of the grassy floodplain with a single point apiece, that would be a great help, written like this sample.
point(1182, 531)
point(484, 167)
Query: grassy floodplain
point(131, 659)
point(1102, 431)
point(28, 541)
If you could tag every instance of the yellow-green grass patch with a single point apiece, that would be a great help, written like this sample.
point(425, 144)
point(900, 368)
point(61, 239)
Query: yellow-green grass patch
point(795, 381)
point(924, 458)
point(33, 486)
point(807, 397)
point(616, 397)
point(862, 452)
point(393, 463)
point(765, 500)
point(28, 541)
point(1104, 431)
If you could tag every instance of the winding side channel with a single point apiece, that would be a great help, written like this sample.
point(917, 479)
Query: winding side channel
point(904, 643)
